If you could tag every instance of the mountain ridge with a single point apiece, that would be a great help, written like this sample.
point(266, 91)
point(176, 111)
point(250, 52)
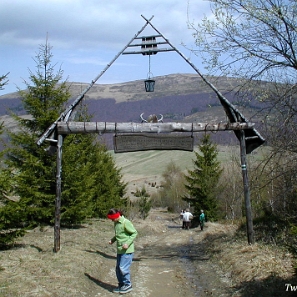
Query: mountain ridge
point(178, 97)
point(180, 89)
point(172, 84)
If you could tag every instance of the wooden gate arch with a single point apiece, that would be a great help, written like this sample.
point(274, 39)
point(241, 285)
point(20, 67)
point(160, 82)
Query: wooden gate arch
point(247, 135)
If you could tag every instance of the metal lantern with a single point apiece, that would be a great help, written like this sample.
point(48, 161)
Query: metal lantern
point(149, 85)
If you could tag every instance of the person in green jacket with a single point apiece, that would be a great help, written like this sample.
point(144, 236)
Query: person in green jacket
point(125, 234)
point(202, 219)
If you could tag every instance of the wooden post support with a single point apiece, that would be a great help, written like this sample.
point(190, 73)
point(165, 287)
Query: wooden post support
point(57, 226)
point(248, 208)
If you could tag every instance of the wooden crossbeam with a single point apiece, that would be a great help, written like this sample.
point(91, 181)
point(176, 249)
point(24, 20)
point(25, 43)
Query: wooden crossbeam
point(111, 127)
point(149, 50)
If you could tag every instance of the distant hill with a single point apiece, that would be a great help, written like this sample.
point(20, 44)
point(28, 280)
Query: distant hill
point(178, 97)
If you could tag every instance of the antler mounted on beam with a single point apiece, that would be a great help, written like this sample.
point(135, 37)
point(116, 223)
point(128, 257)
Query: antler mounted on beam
point(151, 119)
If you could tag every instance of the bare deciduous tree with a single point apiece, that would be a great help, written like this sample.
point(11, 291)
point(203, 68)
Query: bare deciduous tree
point(255, 41)
point(248, 38)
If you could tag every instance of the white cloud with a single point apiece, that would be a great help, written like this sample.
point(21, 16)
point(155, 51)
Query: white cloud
point(86, 32)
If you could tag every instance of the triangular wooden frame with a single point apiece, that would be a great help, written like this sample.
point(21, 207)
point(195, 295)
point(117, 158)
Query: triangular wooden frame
point(249, 137)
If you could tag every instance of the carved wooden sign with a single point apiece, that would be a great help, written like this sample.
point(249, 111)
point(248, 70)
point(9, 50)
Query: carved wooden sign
point(145, 141)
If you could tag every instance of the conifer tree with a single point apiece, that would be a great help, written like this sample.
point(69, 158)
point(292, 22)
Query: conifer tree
point(202, 181)
point(9, 212)
point(3, 80)
point(144, 203)
point(89, 176)
point(31, 167)
point(92, 185)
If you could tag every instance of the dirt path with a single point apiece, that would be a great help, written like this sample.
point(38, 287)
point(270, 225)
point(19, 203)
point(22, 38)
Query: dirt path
point(172, 263)
point(178, 265)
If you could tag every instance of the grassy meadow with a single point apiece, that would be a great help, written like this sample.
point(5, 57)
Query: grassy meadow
point(153, 163)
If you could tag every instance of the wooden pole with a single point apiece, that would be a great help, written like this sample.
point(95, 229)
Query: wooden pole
point(109, 127)
point(248, 208)
point(57, 226)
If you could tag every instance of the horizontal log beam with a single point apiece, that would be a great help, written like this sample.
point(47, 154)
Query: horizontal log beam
point(108, 127)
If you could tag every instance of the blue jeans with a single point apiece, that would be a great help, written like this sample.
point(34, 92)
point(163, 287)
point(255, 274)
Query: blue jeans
point(124, 262)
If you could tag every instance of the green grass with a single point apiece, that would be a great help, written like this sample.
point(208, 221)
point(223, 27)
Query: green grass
point(148, 163)
point(152, 162)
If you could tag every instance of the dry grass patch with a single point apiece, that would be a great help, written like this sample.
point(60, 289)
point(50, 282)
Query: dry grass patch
point(83, 266)
point(32, 269)
point(247, 263)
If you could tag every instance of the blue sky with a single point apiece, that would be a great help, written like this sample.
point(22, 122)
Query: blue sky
point(86, 35)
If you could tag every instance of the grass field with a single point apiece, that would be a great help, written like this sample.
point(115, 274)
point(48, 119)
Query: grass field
point(146, 167)
point(154, 162)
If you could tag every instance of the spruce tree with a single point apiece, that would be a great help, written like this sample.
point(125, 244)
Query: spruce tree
point(31, 167)
point(144, 203)
point(90, 182)
point(202, 181)
point(9, 210)
point(3, 81)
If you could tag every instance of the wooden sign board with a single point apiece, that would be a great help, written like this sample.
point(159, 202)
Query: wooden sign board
point(144, 142)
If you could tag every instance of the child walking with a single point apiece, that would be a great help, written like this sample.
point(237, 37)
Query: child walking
point(125, 234)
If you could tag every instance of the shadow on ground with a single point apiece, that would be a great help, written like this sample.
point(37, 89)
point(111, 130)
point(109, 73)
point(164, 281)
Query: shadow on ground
point(269, 287)
point(103, 285)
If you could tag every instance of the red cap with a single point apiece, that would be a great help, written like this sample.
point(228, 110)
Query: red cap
point(114, 216)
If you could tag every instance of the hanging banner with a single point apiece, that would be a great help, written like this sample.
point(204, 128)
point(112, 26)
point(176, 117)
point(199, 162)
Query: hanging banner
point(144, 142)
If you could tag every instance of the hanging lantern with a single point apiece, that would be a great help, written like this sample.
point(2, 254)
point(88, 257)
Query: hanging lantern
point(149, 83)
